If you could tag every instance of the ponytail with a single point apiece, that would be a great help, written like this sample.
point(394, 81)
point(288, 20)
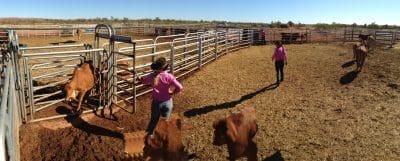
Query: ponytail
point(156, 77)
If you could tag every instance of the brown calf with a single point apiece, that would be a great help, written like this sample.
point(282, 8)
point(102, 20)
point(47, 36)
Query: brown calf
point(237, 131)
point(360, 53)
point(82, 81)
point(166, 142)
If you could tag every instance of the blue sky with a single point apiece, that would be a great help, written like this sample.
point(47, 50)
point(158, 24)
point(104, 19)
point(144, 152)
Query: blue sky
point(304, 11)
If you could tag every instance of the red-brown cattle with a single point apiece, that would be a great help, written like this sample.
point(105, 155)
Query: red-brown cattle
point(82, 81)
point(166, 142)
point(237, 131)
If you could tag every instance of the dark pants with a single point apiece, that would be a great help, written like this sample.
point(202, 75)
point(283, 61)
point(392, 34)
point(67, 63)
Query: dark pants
point(279, 70)
point(159, 109)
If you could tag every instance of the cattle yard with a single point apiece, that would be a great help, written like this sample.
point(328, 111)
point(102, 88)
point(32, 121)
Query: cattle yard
point(322, 111)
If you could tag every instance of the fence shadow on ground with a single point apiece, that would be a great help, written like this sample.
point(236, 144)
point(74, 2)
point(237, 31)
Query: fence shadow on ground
point(207, 109)
point(277, 156)
point(348, 64)
point(63, 42)
point(77, 122)
point(348, 77)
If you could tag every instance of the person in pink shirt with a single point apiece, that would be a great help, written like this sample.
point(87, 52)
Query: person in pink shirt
point(161, 81)
point(280, 57)
point(263, 36)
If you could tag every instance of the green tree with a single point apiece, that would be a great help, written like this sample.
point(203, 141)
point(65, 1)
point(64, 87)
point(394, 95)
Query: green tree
point(290, 24)
point(373, 25)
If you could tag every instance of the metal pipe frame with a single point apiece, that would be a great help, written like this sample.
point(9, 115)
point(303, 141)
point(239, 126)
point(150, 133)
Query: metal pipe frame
point(207, 46)
point(51, 47)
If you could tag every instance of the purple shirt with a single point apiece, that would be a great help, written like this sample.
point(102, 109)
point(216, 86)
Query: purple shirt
point(161, 90)
point(279, 54)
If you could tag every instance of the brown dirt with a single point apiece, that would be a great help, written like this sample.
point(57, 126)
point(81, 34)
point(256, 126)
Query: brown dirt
point(322, 111)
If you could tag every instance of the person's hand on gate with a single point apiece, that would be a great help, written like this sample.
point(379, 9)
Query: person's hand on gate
point(139, 79)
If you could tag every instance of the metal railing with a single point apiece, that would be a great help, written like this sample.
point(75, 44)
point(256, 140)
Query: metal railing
point(185, 53)
point(43, 71)
point(46, 70)
point(10, 119)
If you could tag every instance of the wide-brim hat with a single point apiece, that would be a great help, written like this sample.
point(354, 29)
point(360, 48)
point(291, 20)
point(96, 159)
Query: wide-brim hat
point(159, 64)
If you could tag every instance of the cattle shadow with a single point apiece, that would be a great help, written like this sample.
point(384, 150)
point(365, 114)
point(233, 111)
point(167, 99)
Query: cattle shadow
point(348, 64)
point(348, 77)
point(81, 124)
point(63, 110)
point(77, 122)
point(207, 109)
point(277, 156)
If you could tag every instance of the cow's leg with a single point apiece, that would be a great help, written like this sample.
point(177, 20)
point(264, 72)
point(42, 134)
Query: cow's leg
point(252, 151)
point(358, 61)
point(364, 55)
point(87, 96)
point(81, 95)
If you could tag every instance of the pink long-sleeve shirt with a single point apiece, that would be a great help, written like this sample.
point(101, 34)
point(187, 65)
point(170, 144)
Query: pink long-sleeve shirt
point(280, 54)
point(161, 90)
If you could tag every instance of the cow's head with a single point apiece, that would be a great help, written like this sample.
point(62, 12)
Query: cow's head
point(164, 126)
point(70, 93)
point(225, 130)
point(157, 145)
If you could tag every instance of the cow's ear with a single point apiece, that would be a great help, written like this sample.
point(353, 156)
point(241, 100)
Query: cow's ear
point(218, 123)
point(231, 131)
point(215, 124)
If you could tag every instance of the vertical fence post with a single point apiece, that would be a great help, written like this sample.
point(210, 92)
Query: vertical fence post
point(134, 76)
point(153, 50)
point(31, 103)
point(226, 41)
point(171, 58)
point(392, 39)
point(251, 37)
point(326, 36)
point(185, 48)
point(352, 33)
point(199, 51)
point(216, 45)
point(239, 39)
point(274, 35)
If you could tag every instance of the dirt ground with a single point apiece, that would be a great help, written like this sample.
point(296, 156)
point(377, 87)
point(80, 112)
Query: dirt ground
point(322, 111)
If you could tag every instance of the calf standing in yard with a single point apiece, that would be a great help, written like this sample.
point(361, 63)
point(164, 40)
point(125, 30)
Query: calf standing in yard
point(166, 142)
point(360, 53)
point(82, 81)
point(79, 33)
point(237, 131)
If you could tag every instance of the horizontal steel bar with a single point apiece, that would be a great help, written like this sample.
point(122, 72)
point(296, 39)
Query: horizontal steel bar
point(51, 74)
point(50, 103)
point(49, 85)
point(52, 47)
point(153, 54)
point(44, 96)
point(60, 52)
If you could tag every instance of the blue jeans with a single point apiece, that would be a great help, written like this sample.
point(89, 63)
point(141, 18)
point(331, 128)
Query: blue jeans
point(158, 109)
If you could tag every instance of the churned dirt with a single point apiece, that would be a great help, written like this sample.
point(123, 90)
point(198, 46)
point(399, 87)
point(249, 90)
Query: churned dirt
point(322, 110)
